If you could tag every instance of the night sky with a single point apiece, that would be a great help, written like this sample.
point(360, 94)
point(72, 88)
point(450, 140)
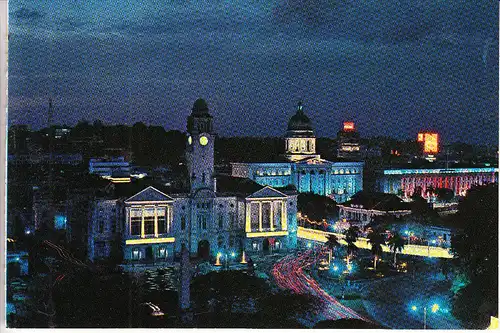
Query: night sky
point(393, 69)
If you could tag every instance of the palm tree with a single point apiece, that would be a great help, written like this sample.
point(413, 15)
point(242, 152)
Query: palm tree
point(376, 239)
point(396, 243)
point(331, 243)
point(351, 235)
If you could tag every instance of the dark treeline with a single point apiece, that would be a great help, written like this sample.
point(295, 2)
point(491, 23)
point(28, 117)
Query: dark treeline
point(153, 146)
point(145, 145)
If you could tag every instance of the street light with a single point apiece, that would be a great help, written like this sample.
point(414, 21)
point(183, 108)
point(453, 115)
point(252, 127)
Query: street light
point(434, 308)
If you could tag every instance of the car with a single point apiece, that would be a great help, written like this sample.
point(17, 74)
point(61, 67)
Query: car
point(151, 309)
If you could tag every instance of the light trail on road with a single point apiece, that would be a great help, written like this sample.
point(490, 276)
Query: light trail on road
point(65, 254)
point(289, 274)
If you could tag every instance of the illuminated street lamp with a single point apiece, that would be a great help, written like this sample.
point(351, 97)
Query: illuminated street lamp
point(434, 308)
point(428, 246)
point(217, 259)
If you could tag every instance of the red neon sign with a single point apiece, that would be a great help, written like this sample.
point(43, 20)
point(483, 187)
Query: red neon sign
point(348, 126)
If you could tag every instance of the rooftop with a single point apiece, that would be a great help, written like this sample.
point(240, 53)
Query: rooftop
point(377, 201)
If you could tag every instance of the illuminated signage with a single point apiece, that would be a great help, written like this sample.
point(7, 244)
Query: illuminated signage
point(149, 241)
point(420, 137)
point(431, 143)
point(267, 234)
point(348, 126)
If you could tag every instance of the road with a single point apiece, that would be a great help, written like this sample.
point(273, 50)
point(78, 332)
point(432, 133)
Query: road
point(289, 274)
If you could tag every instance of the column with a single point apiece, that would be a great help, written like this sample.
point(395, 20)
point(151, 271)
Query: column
point(167, 218)
point(310, 182)
point(272, 216)
point(260, 216)
point(156, 221)
point(142, 223)
point(284, 215)
point(129, 221)
point(248, 227)
point(325, 174)
point(171, 218)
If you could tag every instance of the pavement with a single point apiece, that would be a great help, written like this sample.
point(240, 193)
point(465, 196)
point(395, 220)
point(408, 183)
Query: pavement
point(390, 303)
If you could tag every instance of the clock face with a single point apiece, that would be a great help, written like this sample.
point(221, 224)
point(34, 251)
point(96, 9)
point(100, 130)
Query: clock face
point(203, 140)
point(190, 140)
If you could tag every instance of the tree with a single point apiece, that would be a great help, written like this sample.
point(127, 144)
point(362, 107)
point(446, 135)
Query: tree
point(286, 306)
point(396, 243)
point(316, 207)
point(376, 240)
point(227, 290)
point(331, 243)
point(475, 252)
point(351, 236)
point(445, 194)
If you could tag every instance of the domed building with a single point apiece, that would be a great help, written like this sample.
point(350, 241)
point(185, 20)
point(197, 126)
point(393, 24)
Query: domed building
point(300, 142)
point(303, 168)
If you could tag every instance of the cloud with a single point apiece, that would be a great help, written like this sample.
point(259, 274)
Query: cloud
point(24, 13)
point(128, 61)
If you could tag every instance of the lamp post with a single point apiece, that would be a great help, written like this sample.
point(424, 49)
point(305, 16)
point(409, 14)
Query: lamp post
point(434, 309)
point(428, 246)
point(408, 234)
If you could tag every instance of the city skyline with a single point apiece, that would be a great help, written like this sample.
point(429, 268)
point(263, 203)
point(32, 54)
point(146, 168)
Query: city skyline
point(252, 63)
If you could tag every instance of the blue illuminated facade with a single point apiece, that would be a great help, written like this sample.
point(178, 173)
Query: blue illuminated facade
point(339, 180)
point(303, 168)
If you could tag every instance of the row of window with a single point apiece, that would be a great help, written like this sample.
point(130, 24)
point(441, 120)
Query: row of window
point(273, 172)
point(149, 225)
point(303, 172)
point(300, 145)
point(161, 253)
point(206, 205)
point(101, 221)
point(233, 242)
point(101, 225)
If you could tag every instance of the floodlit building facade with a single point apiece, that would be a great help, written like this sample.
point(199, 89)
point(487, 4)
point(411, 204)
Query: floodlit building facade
point(220, 214)
point(303, 168)
point(404, 182)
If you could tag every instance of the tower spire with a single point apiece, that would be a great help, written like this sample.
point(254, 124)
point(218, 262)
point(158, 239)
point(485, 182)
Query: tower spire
point(299, 105)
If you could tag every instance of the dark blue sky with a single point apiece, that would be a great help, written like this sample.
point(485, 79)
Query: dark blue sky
point(393, 69)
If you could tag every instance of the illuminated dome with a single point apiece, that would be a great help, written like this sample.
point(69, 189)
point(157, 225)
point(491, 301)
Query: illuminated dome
point(200, 107)
point(299, 121)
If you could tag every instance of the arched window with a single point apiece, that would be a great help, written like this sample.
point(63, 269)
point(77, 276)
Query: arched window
point(221, 221)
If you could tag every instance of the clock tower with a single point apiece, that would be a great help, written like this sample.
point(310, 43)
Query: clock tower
point(200, 147)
